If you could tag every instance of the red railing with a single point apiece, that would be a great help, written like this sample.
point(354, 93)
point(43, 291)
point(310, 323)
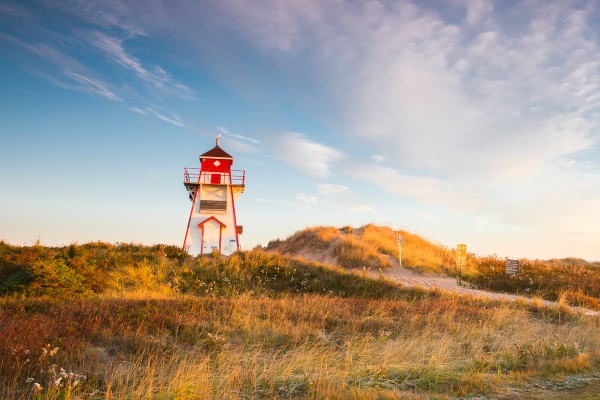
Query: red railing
point(195, 175)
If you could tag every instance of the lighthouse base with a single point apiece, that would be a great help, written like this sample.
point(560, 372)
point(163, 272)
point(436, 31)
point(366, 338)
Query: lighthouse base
point(212, 224)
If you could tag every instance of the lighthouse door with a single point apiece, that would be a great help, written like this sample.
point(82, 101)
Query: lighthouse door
point(211, 238)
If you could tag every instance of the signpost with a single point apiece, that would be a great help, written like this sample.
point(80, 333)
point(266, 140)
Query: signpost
point(513, 267)
point(461, 259)
point(400, 250)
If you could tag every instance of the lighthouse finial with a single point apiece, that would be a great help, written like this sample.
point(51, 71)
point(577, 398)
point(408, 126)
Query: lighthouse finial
point(218, 138)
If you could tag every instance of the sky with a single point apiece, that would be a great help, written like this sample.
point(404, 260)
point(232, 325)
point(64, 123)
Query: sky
point(471, 122)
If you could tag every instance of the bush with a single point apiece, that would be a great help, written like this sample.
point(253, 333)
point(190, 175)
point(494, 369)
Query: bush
point(45, 277)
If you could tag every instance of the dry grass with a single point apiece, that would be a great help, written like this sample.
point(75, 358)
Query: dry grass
point(150, 322)
point(351, 252)
point(319, 237)
point(306, 346)
point(371, 246)
point(417, 252)
point(368, 246)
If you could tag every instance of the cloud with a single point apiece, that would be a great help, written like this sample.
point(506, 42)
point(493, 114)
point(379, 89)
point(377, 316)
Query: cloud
point(159, 79)
point(137, 110)
point(340, 196)
point(93, 86)
point(115, 15)
point(80, 78)
point(234, 135)
point(175, 120)
point(310, 157)
point(378, 159)
point(263, 200)
point(481, 221)
point(303, 201)
point(428, 217)
point(481, 106)
point(303, 198)
point(16, 11)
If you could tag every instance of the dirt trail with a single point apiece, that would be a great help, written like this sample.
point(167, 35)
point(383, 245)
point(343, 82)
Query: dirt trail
point(410, 278)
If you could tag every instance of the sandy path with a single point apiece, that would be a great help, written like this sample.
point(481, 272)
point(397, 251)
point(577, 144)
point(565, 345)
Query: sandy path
point(408, 277)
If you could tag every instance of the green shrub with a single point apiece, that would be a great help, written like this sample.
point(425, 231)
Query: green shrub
point(54, 278)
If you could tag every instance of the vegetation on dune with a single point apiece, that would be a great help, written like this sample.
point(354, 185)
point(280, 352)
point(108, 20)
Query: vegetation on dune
point(369, 246)
point(573, 279)
point(128, 321)
point(102, 268)
point(578, 283)
point(294, 346)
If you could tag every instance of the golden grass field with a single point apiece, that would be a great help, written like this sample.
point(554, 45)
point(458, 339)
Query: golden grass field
point(128, 321)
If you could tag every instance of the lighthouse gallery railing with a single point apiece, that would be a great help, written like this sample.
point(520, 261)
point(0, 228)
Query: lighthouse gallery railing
point(196, 175)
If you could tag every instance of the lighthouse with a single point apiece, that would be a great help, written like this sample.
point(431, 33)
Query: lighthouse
point(213, 189)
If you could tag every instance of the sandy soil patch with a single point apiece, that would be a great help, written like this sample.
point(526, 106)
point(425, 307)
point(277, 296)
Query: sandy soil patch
point(409, 278)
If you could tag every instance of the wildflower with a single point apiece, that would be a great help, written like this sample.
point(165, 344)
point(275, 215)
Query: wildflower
point(29, 380)
point(37, 387)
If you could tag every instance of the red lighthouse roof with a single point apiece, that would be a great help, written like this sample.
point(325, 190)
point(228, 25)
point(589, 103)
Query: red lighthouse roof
point(216, 152)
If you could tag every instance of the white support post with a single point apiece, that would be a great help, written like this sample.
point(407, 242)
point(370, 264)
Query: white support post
point(400, 254)
point(400, 249)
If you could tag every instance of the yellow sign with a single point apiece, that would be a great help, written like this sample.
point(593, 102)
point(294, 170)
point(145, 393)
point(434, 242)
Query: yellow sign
point(461, 254)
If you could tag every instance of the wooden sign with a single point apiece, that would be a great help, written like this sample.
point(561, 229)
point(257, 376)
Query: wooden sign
point(513, 267)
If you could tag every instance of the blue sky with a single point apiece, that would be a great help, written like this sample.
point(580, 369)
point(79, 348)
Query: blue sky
point(465, 121)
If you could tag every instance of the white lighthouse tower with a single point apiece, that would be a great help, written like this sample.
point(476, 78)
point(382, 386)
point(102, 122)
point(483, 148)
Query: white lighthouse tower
point(213, 189)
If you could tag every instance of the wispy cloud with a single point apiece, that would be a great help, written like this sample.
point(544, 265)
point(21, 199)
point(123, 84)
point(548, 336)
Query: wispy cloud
point(93, 86)
point(80, 78)
point(378, 159)
point(340, 196)
point(16, 10)
point(235, 135)
point(303, 198)
point(478, 110)
point(158, 78)
point(175, 120)
point(119, 15)
point(303, 201)
point(428, 217)
point(481, 221)
point(310, 157)
point(137, 110)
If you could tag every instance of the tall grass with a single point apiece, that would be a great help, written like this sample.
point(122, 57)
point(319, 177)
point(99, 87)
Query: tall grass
point(315, 238)
point(417, 252)
point(152, 322)
point(294, 346)
point(371, 246)
point(579, 283)
point(351, 252)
